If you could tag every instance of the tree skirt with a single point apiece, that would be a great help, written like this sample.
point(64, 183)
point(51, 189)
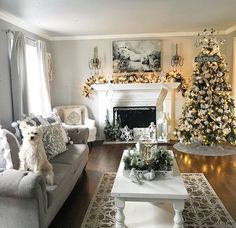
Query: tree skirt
point(203, 208)
point(199, 149)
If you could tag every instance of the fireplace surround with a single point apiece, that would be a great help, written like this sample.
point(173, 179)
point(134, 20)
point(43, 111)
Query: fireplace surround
point(159, 95)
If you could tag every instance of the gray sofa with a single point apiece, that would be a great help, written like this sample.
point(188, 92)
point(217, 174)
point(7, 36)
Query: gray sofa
point(27, 202)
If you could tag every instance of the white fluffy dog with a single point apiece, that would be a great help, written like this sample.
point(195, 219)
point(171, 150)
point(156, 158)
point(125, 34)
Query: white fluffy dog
point(32, 153)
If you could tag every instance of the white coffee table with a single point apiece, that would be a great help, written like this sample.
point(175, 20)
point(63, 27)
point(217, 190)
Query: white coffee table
point(166, 189)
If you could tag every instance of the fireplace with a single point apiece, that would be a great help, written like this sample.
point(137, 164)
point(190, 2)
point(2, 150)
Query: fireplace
point(135, 116)
point(158, 95)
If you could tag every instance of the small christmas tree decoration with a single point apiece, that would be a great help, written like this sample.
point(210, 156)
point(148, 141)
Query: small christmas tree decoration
point(112, 131)
point(208, 113)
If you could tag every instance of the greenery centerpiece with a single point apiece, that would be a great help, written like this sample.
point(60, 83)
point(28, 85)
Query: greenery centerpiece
point(159, 160)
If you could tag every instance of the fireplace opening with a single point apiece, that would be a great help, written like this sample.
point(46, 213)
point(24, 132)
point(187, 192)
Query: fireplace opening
point(135, 116)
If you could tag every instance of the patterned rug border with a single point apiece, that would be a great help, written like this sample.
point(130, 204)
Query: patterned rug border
point(202, 175)
point(94, 196)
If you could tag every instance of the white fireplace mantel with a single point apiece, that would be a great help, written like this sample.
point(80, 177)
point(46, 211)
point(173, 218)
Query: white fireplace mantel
point(142, 94)
point(136, 86)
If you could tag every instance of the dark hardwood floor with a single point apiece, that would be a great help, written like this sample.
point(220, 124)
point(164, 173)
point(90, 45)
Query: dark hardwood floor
point(220, 172)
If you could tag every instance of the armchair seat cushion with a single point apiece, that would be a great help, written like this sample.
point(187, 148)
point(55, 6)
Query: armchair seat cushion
point(92, 134)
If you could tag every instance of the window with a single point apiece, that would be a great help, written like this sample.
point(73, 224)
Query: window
point(29, 76)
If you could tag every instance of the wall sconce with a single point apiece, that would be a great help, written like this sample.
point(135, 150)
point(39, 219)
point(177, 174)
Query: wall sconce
point(95, 63)
point(177, 59)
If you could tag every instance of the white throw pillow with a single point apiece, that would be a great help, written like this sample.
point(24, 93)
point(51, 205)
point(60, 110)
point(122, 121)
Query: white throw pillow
point(72, 116)
point(53, 140)
point(8, 153)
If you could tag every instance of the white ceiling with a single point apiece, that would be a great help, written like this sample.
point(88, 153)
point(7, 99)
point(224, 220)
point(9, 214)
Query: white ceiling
point(111, 17)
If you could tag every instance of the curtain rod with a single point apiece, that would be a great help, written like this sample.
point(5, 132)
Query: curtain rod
point(29, 38)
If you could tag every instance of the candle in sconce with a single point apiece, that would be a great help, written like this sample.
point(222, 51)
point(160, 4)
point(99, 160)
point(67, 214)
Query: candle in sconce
point(96, 52)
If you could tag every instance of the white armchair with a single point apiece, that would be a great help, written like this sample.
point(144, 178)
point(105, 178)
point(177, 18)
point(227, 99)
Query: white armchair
point(85, 120)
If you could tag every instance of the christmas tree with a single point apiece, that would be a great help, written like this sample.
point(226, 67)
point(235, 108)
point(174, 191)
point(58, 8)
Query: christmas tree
point(208, 113)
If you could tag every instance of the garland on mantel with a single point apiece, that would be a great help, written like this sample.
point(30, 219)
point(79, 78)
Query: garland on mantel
point(87, 88)
point(125, 78)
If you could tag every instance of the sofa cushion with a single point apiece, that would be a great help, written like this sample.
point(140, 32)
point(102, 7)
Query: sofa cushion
point(78, 135)
point(75, 154)
point(62, 182)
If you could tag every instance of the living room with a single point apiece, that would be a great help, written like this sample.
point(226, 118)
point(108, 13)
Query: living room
point(76, 35)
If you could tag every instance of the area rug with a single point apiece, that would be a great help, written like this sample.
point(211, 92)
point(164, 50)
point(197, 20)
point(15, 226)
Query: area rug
point(203, 208)
point(199, 149)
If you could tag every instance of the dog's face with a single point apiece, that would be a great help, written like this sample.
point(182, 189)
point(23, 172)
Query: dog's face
point(31, 133)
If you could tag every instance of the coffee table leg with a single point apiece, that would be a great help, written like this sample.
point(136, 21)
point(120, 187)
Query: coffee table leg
point(178, 218)
point(120, 217)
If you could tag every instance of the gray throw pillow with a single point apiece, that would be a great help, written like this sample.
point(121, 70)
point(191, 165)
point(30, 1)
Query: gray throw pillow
point(33, 120)
point(53, 140)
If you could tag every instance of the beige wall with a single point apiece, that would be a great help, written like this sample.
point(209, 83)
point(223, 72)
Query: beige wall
point(70, 64)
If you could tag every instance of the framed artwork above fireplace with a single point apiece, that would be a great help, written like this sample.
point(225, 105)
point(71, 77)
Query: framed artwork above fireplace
point(136, 56)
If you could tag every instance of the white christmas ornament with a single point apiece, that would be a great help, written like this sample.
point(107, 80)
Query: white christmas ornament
point(126, 134)
point(149, 175)
point(134, 176)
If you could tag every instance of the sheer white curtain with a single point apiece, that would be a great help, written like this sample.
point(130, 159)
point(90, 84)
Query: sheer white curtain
point(18, 76)
point(37, 79)
point(43, 74)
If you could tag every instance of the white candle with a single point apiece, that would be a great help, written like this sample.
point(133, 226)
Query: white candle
point(96, 52)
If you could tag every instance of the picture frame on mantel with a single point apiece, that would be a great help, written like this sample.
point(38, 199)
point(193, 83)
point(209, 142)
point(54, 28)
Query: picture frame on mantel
point(136, 55)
